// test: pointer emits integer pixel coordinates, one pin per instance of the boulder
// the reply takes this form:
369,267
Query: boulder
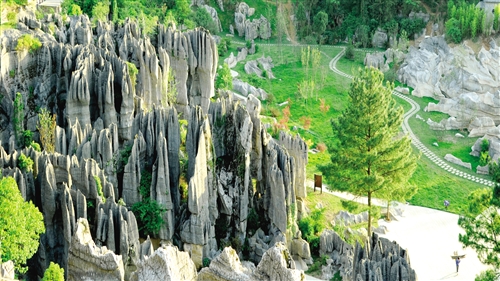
379,39
7,271
455,160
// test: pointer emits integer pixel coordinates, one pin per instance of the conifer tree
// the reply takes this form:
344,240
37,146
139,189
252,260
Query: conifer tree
369,155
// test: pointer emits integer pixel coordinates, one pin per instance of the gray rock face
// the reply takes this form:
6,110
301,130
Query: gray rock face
338,250
466,83
257,28
381,60
246,89
113,126
215,17
86,260
7,270
166,264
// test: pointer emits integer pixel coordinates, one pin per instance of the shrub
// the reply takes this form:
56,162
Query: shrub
12,73
145,184
35,146
98,186
453,32
349,51
47,128
53,273
25,163
28,43
252,221
206,262
27,138
323,107
149,216
12,17
321,147
132,71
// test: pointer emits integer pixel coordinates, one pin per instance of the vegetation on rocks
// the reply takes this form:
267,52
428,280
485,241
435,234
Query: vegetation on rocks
53,273
28,43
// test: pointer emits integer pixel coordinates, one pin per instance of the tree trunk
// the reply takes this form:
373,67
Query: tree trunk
388,218
369,216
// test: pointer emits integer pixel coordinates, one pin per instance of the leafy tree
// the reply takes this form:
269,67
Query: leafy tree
47,129
319,23
363,35
488,275
53,273
182,11
100,11
21,224
25,163
301,18
224,79
114,10
482,227
368,155
204,19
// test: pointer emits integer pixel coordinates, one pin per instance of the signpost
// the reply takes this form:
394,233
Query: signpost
318,182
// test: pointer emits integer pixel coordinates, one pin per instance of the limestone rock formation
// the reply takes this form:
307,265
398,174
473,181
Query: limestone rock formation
465,83
167,263
257,28
379,38
7,270
339,251
215,17
246,89
87,261
122,140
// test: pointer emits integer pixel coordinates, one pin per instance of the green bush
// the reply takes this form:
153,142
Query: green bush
28,43
132,71
12,17
99,188
145,184
36,146
25,163
349,51
206,262
149,216
27,138
53,273
453,32
12,73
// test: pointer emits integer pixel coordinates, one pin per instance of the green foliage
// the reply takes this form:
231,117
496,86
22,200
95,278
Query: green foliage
368,156
121,160
132,71
349,51
453,31
114,10
311,227
317,265
18,118
12,73
36,146
206,262
182,11
100,11
98,186
47,128
484,158
53,273
320,22
145,184
488,275
28,43
223,46
27,138
149,216
203,18
121,202
349,205
224,80
25,163
253,222
21,224
12,17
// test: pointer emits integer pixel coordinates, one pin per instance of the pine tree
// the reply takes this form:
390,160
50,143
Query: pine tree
369,155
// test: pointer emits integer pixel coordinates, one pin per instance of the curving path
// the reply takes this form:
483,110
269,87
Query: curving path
406,128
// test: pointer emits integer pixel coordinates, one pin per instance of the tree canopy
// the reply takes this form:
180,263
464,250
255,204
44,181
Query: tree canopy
53,273
21,224
369,155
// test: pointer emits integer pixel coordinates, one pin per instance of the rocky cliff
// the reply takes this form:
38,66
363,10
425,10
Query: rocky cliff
122,138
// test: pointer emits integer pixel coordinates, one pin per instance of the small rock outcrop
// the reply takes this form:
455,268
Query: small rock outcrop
167,263
87,261
276,265
257,28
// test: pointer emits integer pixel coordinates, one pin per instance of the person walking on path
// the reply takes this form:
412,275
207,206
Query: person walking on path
457,261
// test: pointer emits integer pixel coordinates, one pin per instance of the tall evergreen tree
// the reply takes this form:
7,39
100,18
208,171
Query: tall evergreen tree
369,154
